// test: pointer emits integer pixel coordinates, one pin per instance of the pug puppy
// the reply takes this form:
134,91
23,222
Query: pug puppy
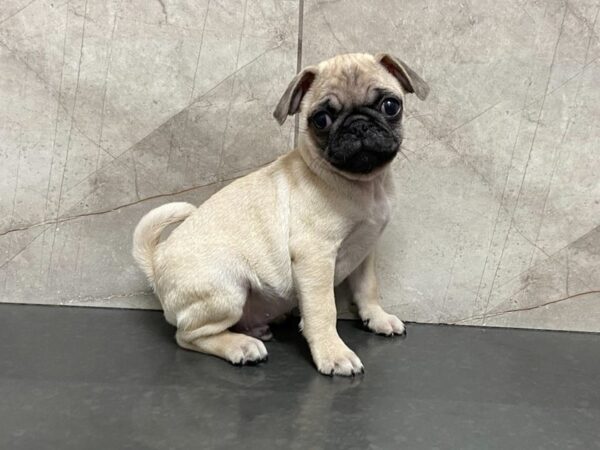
287,234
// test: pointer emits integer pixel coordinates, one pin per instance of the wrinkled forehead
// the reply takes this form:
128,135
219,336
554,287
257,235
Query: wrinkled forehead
351,81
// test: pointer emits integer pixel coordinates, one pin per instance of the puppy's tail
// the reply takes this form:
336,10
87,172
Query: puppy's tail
147,233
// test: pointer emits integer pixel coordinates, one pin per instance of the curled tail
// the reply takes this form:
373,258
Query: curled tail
147,233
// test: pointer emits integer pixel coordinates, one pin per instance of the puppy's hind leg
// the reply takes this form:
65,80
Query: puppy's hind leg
204,327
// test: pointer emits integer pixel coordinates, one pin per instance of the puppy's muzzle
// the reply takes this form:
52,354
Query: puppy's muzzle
362,144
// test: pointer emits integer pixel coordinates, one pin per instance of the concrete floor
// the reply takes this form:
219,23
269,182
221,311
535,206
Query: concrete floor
75,378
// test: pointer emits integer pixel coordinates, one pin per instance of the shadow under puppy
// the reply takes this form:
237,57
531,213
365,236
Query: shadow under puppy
286,234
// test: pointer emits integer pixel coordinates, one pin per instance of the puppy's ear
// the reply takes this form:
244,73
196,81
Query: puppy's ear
408,78
289,104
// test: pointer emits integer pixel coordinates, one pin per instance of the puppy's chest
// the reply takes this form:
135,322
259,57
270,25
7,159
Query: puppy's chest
363,235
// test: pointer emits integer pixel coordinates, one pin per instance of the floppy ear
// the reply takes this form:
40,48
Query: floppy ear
410,81
289,104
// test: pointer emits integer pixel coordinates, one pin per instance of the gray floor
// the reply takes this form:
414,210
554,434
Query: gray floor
108,379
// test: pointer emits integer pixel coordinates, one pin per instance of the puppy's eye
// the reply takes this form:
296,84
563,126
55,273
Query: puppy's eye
321,120
390,107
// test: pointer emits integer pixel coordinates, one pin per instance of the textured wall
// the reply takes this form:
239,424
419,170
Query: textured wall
109,108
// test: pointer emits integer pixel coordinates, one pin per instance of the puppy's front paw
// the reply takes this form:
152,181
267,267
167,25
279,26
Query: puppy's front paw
386,324
336,359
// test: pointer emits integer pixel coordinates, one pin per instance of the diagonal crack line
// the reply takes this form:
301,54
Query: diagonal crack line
200,50
16,12
328,24
29,67
529,241
116,208
441,138
105,84
11,258
528,308
468,121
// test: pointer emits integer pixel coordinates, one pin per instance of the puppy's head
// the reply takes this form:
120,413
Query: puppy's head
351,109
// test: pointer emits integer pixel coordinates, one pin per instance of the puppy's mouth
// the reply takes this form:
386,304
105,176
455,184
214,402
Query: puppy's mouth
362,144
